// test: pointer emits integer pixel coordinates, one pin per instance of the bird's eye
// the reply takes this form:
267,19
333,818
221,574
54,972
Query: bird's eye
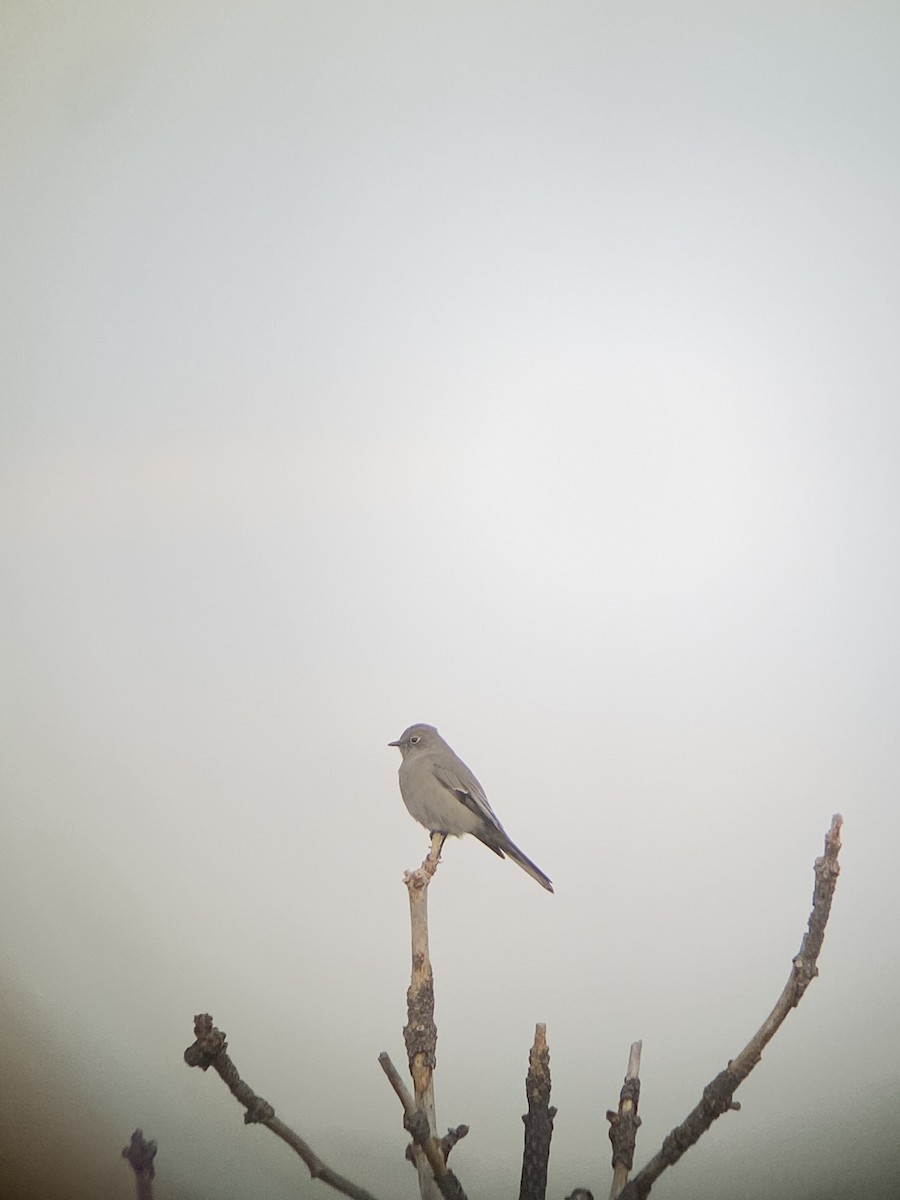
414,739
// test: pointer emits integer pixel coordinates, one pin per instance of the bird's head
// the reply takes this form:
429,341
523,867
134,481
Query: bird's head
417,737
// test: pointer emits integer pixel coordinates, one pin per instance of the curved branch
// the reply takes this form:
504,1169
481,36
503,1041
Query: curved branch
209,1050
718,1096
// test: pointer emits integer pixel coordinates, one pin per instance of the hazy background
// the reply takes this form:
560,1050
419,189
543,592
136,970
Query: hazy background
531,370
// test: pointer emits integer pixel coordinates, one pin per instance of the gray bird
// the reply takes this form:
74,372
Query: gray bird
443,795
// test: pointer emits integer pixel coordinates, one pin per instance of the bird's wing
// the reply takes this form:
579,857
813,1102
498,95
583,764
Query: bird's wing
459,780
468,791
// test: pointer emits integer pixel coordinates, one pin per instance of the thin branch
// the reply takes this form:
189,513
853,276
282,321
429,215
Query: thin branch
140,1155
404,1094
209,1050
623,1125
718,1096
538,1120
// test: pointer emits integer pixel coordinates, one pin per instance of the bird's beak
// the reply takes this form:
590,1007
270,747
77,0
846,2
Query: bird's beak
393,743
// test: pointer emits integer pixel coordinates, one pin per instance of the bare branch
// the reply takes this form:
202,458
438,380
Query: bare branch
209,1050
623,1125
396,1082
718,1096
420,1035
417,1127
538,1120
141,1155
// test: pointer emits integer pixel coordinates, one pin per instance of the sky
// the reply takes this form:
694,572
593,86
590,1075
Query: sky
526,369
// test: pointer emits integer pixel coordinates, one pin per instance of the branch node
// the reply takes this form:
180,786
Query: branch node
420,1032
258,1112
416,1125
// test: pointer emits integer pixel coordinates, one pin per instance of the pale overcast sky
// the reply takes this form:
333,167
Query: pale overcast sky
532,370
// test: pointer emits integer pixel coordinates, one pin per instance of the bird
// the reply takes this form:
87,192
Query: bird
442,794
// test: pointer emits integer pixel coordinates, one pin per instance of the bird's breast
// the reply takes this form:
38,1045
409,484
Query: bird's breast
432,804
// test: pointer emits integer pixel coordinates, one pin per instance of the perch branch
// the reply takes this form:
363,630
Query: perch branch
209,1050
420,1033
140,1155
429,1153
623,1125
718,1096
538,1120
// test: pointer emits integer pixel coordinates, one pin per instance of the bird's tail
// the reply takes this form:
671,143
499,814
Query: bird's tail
508,847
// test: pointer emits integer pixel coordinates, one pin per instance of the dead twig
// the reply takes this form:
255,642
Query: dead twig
718,1095
209,1050
538,1120
141,1155
623,1125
